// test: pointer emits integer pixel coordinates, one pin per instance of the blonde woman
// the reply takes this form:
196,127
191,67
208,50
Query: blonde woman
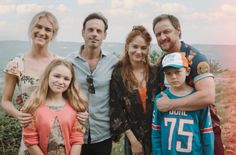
54,104
24,71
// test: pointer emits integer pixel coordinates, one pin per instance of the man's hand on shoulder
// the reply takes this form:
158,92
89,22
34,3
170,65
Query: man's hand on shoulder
82,117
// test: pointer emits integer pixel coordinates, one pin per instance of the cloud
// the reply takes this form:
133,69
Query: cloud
172,7
28,8
116,4
4,9
228,8
7,1
129,4
33,8
125,15
223,13
131,8
22,9
141,11
86,2
61,8
149,5
196,16
3,23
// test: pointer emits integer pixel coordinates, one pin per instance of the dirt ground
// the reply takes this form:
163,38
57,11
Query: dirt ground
226,106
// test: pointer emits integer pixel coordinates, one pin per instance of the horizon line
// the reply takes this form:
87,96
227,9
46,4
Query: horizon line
119,42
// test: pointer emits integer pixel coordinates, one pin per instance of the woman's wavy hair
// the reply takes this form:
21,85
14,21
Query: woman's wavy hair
126,70
40,94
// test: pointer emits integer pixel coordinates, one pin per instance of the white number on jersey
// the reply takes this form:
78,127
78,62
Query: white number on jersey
181,132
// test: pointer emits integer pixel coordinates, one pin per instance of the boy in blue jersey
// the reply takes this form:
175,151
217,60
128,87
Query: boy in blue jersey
177,131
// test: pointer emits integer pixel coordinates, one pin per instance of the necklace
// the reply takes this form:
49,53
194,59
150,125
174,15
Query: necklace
140,76
55,103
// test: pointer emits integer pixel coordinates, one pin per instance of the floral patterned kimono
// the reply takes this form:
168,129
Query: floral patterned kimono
128,112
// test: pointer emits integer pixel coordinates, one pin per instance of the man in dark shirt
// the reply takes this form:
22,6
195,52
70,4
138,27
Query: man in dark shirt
168,33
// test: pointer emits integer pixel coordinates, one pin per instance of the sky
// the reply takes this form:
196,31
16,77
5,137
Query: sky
202,21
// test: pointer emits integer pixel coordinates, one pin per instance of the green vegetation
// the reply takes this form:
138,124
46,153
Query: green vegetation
154,55
221,91
118,148
215,66
10,135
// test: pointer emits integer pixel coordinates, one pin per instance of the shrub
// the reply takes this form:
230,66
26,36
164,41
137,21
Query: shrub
215,66
10,135
154,55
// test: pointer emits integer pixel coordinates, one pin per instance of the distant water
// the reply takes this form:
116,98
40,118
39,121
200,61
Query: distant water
224,54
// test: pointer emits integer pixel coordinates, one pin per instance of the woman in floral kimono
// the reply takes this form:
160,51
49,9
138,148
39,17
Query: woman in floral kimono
132,89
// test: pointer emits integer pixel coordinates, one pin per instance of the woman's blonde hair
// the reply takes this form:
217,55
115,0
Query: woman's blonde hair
126,70
50,17
40,94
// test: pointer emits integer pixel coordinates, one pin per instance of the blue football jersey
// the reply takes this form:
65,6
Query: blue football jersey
181,132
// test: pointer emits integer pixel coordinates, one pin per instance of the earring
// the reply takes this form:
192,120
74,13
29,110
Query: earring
144,60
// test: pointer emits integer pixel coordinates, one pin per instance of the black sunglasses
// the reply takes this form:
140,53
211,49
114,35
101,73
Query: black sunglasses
91,88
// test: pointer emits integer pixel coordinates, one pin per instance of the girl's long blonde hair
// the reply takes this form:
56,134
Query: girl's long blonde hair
40,94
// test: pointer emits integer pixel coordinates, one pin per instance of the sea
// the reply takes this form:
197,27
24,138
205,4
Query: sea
222,54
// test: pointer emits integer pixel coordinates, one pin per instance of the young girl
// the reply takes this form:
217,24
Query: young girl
54,104
178,131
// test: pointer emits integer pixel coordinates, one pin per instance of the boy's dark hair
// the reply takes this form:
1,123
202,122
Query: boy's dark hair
96,15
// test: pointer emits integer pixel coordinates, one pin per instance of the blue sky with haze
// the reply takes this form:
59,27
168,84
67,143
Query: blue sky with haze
202,21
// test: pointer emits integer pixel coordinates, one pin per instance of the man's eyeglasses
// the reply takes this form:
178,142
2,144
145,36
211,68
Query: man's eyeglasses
91,88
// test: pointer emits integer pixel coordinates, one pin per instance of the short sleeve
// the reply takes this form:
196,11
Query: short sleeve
30,134
200,67
14,66
77,135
